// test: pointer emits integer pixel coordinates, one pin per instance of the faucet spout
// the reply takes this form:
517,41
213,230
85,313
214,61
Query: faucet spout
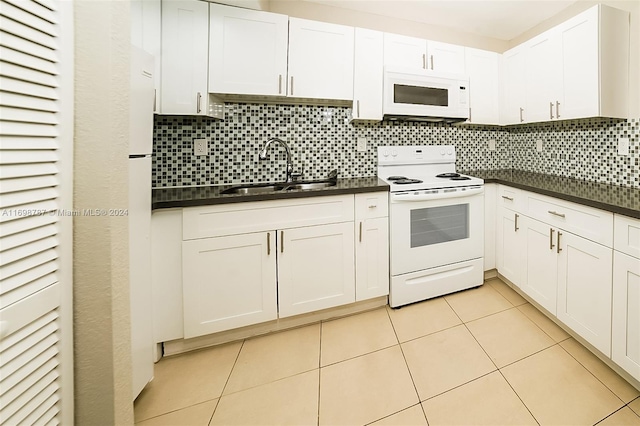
263,155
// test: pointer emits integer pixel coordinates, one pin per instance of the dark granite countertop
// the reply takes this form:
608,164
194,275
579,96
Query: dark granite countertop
163,198
616,199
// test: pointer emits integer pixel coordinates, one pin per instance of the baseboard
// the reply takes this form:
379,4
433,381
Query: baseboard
491,273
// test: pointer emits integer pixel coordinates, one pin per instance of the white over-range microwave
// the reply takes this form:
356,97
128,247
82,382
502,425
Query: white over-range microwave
421,95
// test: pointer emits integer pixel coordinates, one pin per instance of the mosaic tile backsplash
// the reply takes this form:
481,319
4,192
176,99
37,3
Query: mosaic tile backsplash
322,139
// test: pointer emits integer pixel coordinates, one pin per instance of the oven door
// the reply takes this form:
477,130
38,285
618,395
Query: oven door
429,230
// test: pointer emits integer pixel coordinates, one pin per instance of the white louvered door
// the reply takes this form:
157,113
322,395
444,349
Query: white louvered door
36,146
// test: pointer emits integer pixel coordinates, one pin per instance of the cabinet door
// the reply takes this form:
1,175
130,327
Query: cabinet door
367,75
185,50
579,96
445,57
514,86
584,289
320,60
404,52
543,75
509,244
372,258
625,339
228,282
540,279
247,51
146,24
315,268
483,69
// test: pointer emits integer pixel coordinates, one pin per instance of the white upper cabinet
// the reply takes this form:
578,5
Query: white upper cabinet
367,75
577,69
417,53
483,69
185,51
445,57
514,86
320,60
404,52
146,34
247,51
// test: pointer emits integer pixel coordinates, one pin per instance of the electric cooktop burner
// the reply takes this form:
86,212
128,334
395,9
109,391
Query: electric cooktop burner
461,178
396,177
448,175
406,181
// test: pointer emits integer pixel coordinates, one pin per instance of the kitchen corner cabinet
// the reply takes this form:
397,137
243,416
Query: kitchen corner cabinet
367,75
509,236
577,69
320,60
483,69
247,51
416,53
625,339
185,52
372,245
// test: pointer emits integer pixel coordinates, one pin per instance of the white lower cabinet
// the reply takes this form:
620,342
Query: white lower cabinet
509,245
372,258
625,339
315,268
584,289
228,282
540,277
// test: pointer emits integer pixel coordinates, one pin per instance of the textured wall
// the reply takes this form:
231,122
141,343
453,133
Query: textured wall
322,139
102,360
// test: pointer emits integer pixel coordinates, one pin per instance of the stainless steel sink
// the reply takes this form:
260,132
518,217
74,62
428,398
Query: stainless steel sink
309,185
253,189
276,187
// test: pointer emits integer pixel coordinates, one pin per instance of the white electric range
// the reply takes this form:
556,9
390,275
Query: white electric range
436,223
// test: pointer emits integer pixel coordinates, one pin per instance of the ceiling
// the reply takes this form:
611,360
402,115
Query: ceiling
500,19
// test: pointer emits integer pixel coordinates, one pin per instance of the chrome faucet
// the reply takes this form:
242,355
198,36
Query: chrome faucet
263,156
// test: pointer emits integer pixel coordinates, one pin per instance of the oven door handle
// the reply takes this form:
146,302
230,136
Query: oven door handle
410,197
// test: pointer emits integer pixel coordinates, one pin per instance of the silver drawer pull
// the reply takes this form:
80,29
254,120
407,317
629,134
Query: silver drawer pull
551,246
558,248
360,237
556,213
507,198
515,222
372,206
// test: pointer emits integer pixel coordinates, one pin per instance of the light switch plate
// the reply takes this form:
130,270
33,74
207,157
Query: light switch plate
539,145
200,147
362,144
492,144
623,146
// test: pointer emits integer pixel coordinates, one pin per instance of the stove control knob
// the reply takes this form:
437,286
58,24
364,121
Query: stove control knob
385,153
394,153
442,152
450,152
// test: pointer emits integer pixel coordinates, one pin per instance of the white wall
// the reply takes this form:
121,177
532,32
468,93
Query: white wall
102,351
321,12
633,6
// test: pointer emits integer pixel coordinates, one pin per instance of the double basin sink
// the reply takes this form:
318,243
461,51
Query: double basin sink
278,187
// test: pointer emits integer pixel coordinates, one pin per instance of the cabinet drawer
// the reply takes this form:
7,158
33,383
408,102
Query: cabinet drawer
242,218
511,198
372,205
626,235
588,222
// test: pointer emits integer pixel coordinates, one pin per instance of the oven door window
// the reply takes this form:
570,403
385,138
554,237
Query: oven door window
435,225
420,95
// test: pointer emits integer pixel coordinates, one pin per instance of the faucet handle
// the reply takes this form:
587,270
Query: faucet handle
295,176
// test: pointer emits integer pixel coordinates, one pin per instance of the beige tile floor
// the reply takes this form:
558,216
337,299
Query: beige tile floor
479,357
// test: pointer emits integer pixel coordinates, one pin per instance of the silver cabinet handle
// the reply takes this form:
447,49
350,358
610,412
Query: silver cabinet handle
198,103
360,237
521,111
358,107
515,222
268,243
431,61
424,60
279,84
556,213
550,109
155,100
551,231
558,249
281,242
469,113
557,109
291,88
507,198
